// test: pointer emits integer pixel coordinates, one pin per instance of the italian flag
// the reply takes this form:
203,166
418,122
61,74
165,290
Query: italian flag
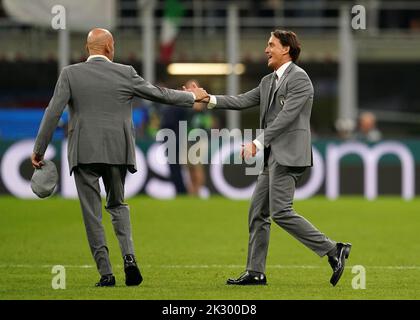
173,12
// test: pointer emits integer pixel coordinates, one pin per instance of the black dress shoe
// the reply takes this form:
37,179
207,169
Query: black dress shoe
338,261
106,281
249,278
132,273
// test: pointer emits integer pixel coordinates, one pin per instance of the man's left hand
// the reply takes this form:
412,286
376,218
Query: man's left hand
248,150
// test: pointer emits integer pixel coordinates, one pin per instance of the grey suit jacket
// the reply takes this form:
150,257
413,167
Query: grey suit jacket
287,115
99,94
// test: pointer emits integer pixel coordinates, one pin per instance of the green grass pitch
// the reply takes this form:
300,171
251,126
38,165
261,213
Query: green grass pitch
187,248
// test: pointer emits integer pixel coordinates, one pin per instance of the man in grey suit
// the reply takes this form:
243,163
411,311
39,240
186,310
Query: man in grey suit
101,142
285,99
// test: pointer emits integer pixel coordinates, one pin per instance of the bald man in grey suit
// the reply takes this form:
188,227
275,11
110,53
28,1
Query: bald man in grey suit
285,99
101,142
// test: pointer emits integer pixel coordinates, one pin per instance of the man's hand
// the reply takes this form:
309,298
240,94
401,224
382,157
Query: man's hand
248,150
37,161
201,95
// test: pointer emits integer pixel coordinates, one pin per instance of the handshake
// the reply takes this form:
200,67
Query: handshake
202,98
201,95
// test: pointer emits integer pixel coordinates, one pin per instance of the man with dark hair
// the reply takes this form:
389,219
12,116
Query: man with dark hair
285,100
289,38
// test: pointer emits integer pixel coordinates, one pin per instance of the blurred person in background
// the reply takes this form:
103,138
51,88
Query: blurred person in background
101,142
170,118
367,130
199,119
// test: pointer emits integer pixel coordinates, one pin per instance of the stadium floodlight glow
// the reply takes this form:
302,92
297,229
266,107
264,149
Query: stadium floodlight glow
205,69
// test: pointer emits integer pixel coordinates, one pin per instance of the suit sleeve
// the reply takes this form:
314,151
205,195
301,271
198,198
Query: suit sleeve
53,113
242,101
300,90
145,90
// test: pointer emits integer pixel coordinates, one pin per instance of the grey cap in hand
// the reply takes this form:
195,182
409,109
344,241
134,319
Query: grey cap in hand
44,180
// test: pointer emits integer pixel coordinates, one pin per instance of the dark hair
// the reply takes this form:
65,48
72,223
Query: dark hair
289,39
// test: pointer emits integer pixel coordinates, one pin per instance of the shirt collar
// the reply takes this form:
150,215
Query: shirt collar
93,56
280,71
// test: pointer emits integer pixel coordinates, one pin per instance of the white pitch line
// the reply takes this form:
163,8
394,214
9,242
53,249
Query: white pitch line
212,266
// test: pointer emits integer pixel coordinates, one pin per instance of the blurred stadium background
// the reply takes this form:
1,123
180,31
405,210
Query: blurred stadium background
365,121
372,70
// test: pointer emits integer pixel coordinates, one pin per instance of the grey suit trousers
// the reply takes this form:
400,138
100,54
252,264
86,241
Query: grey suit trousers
87,183
273,197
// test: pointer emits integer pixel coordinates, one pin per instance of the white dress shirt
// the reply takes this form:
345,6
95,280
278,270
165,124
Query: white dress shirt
98,56
280,71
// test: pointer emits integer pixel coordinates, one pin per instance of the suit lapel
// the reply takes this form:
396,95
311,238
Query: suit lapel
267,91
270,99
286,72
